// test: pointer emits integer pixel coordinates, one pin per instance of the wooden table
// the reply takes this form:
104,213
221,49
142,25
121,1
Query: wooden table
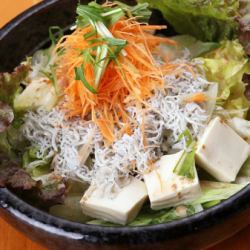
10,238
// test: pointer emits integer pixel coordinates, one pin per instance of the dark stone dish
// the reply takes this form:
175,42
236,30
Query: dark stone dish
20,38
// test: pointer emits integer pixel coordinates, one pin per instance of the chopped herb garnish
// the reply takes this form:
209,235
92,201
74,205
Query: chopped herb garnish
55,33
186,165
80,76
108,48
51,75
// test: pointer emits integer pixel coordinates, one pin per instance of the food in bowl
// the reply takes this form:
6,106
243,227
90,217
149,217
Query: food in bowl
113,124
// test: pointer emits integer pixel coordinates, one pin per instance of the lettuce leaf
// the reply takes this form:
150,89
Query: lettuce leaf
148,216
214,192
34,165
6,116
12,141
11,175
244,174
71,208
206,20
226,66
10,82
5,146
188,47
244,24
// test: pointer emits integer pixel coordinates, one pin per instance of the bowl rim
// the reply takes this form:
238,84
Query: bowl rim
193,223
201,220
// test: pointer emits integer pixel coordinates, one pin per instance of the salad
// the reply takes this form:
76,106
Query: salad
118,124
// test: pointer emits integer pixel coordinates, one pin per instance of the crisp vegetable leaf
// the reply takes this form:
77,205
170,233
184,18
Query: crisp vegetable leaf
53,193
5,146
11,140
244,174
214,192
6,116
187,47
226,66
71,208
206,20
13,176
38,94
244,24
36,166
40,193
10,82
80,76
150,217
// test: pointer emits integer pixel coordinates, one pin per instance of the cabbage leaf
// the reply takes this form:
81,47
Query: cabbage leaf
244,174
187,47
147,216
215,192
244,24
226,66
211,20
10,82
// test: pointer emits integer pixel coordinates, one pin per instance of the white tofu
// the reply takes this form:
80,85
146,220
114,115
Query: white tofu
221,151
121,209
165,188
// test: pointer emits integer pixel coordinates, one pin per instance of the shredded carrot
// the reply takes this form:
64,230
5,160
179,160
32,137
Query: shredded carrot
135,77
197,97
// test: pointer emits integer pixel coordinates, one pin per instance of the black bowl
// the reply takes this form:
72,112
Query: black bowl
20,38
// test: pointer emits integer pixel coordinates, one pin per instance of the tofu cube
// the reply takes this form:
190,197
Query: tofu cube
221,151
165,188
121,209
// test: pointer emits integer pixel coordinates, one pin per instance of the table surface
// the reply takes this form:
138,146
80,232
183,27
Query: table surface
10,238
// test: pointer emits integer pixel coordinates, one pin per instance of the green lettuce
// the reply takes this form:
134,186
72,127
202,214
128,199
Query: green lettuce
35,166
147,216
5,146
215,192
10,136
71,208
12,141
226,66
244,24
10,82
188,47
206,20
244,174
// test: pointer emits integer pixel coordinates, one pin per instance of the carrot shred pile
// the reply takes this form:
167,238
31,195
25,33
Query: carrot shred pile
133,79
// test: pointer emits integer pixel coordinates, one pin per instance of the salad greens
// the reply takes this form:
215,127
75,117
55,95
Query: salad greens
10,83
244,174
244,24
206,20
212,194
150,217
188,47
226,66
34,165
208,41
